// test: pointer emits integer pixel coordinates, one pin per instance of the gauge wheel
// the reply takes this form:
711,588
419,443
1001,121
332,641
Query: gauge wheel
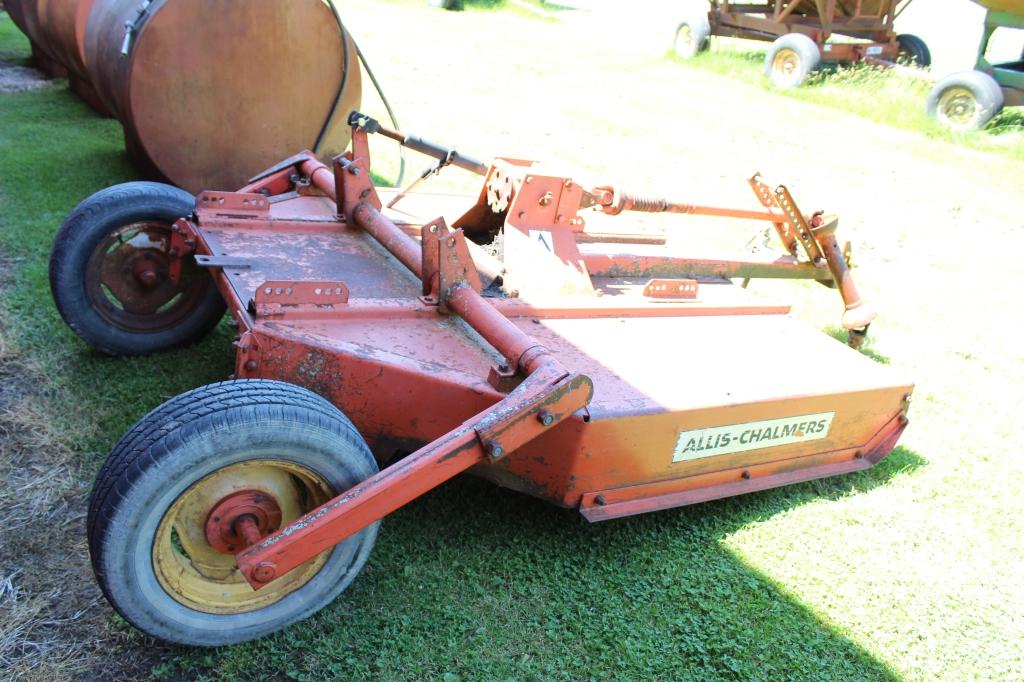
201,478
791,59
965,101
109,273
692,37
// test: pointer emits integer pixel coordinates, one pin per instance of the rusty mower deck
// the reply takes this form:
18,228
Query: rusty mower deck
514,344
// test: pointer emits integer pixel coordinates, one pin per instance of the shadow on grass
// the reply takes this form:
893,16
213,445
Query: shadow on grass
840,334
542,5
487,583
1009,120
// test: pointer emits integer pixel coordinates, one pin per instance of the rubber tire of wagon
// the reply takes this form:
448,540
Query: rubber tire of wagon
803,55
986,99
74,246
914,50
699,37
189,439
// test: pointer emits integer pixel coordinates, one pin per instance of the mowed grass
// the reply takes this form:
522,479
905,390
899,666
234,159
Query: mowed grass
891,97
906,571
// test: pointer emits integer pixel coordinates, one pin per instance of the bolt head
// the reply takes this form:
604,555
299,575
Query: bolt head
264,572
546,418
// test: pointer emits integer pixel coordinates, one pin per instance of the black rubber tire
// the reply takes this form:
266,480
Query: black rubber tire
807,59
699,40
181,442
965,101
914,50
84,230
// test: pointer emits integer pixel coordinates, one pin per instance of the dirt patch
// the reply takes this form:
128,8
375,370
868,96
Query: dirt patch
18,78
56,624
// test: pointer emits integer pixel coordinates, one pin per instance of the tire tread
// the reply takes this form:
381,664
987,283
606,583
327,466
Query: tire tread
66,261
219,406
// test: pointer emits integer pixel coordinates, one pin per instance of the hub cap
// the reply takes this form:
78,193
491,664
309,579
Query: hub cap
684,40
198,536
127,279
786,63
958,107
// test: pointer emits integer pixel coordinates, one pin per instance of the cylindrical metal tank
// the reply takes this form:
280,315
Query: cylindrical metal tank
212,91
62,34
61,30
25,14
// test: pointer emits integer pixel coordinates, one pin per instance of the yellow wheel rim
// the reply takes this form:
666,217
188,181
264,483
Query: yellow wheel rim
684,40
786,62
202,578
958,107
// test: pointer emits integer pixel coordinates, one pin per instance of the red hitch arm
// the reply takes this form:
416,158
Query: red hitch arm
545,398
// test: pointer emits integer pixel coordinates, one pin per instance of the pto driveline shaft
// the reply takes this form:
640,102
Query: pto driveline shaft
418,144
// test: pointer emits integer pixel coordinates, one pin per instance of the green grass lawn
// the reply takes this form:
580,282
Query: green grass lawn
885,96
910,570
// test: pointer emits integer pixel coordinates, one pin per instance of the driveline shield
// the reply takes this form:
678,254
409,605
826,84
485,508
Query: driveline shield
724,440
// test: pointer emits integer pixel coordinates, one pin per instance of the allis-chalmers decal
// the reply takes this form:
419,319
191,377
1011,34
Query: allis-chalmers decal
723,440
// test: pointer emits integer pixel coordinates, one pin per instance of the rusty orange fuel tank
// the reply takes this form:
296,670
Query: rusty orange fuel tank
62,34
212,91
25,14
62,31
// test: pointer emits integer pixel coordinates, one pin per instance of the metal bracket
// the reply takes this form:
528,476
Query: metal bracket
503,378
788,231
284,298
248,358
447,262
784,200
795,230
183,243
236,205
505,430
223,262
287,163
672,288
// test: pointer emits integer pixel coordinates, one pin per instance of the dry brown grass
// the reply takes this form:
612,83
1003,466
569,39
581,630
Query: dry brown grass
55,624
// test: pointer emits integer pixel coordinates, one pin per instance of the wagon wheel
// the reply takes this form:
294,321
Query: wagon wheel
692,37
109,272
201,478
791,59
914,51
965,101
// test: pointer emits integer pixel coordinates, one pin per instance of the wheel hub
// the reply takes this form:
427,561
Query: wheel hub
147,271
958,106
684,39
786,62
240,503
242,519
128,280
